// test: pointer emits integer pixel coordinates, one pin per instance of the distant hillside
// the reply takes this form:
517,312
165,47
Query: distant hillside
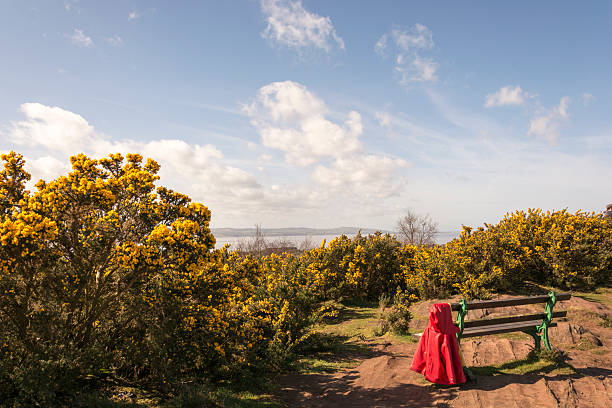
294,231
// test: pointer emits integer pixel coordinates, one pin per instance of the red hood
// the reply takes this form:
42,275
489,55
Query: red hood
441,319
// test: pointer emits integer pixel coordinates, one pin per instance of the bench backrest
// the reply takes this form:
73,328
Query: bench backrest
511,319
527,300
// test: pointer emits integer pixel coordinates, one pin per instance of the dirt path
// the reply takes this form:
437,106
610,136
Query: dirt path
384,380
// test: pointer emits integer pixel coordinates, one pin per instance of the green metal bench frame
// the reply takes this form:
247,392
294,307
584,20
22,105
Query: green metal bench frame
539,332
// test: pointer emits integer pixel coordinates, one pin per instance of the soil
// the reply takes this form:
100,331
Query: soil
383,379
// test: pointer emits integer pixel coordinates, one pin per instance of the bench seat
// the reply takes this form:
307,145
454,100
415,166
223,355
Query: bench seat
502,328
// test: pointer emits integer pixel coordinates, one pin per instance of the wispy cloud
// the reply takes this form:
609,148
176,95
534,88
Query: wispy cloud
69,4
290,25
407,47
547,124
115,41
79,39
507,96
133,15
586,98
544,123
383,118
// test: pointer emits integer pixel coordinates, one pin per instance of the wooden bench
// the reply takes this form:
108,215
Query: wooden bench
535,325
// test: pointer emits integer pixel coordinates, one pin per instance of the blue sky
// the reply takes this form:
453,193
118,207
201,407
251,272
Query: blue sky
322,113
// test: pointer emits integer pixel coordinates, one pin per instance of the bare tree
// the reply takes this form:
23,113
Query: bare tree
258,242
417,229
255,244
307,244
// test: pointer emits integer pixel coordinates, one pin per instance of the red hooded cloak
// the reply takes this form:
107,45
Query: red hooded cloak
437,356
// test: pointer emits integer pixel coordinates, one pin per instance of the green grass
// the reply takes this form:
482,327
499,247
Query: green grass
339,346
606,321
330,352
323,364
354,322
547,362
601,295
515,336
227,396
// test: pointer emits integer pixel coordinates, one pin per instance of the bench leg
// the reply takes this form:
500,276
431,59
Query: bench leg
469,374
545,336
536,338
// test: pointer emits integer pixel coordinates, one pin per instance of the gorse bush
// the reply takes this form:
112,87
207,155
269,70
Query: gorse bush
104,273
559,249
397,316
362,267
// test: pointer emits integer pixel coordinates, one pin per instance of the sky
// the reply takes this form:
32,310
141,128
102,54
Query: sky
322,114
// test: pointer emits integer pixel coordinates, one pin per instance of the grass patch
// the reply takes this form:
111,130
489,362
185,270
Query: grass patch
601,295
515,336
360,304
324,364
330,352
337,346
356,321
226,397
404,338
191,396
606,321
544,361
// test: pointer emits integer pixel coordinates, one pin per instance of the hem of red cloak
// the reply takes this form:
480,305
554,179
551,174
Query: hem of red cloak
422,372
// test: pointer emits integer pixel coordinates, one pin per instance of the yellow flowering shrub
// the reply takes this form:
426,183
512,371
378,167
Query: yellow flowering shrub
362,267
554,248
100,267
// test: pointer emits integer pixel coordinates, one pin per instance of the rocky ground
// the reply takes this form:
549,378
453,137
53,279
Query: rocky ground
504,378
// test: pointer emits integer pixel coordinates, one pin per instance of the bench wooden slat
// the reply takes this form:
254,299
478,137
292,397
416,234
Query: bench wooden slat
501,328
527,300
511,319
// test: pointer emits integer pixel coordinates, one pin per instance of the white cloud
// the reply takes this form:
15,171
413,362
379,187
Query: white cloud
383,118
290,25
292,119
381,46
60,131
133,15
367,174
52,128
506,96
547,124
68,4
115,41
48,135
79,38
420,37
586,98
407,48
45,167
424,69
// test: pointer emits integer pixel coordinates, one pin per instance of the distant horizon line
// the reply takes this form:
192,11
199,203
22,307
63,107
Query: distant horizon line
293,231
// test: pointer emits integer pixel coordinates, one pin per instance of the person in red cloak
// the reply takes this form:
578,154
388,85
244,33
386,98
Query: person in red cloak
438,356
